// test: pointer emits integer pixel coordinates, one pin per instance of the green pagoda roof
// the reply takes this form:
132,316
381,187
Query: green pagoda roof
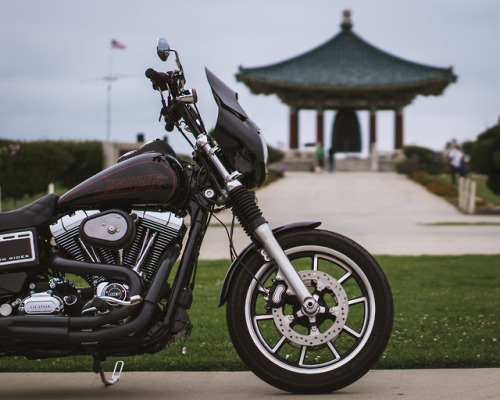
346,63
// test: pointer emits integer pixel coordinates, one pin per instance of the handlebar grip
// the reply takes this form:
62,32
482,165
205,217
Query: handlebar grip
159,79
151,73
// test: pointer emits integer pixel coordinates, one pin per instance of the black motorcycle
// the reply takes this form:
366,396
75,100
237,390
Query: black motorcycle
308,310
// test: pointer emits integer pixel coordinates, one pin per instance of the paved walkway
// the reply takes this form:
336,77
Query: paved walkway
385,213
475,384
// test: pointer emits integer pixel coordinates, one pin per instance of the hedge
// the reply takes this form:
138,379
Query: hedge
421,159
26,168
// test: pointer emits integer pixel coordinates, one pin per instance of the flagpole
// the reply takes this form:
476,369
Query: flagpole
109,79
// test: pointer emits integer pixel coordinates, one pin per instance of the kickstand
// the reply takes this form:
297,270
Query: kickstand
116,372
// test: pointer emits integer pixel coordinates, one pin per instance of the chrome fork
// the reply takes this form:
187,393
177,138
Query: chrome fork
286,269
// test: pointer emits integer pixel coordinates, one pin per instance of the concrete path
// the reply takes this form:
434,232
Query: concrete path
476,384
384,212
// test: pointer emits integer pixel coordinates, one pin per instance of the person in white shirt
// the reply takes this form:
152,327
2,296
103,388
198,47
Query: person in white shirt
455,157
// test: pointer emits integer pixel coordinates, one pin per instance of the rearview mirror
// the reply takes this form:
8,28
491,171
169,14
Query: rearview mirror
163,49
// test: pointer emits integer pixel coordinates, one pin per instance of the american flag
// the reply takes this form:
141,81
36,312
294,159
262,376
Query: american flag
115,44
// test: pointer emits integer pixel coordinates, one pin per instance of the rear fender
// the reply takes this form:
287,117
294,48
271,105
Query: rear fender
236,265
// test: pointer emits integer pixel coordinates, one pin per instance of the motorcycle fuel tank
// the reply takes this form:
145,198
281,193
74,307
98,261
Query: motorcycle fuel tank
144,180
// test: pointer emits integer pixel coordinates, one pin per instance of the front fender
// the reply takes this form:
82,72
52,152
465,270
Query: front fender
236,265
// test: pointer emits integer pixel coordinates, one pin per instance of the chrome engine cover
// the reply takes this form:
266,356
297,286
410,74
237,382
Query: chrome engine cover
112,229
113,290
41,303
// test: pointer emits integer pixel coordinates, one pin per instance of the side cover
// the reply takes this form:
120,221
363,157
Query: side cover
18,250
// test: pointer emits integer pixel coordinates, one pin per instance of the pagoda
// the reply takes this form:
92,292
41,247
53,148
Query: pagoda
346,74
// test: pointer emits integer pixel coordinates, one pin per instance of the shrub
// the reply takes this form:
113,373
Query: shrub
275,155
442,188
273,175
407,167
425,159
421,177
434,184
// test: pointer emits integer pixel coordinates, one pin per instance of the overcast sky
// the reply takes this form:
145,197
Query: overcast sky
54,51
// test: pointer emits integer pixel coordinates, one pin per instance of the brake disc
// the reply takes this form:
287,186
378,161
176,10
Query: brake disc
325,285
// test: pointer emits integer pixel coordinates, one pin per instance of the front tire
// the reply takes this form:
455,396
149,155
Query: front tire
325,352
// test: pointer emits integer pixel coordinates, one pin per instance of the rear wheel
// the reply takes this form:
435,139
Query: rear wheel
311,353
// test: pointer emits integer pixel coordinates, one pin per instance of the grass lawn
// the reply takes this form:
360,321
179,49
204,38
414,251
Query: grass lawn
7,204
447,315
485,193
447,311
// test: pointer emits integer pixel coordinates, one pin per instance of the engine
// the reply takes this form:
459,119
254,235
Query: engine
136,240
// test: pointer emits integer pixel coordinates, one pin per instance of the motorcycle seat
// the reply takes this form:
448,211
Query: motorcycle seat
38,213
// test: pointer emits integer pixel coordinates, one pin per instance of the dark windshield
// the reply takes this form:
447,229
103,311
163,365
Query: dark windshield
238,136
224,95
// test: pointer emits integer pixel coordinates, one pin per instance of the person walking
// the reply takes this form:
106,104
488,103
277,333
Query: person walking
455,159
331,160
320,157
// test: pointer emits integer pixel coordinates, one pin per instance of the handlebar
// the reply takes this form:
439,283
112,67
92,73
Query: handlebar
177,107
159,79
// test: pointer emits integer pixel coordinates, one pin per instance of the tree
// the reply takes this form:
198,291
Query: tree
485,157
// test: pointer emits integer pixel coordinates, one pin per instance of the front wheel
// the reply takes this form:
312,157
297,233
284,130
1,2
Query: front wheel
316,353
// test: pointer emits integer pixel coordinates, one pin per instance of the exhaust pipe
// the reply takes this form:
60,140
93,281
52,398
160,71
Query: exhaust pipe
67,330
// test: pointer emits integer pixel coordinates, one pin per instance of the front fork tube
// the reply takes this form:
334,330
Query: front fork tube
254,224
286,269
250,216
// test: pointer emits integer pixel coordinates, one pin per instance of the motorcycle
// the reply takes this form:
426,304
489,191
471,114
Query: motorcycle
308,310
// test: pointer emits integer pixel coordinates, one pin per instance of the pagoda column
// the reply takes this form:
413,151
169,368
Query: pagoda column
319,126
398,139
294,128
373,128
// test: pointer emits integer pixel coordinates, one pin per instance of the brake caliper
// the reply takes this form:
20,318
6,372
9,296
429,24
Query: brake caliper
277,295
